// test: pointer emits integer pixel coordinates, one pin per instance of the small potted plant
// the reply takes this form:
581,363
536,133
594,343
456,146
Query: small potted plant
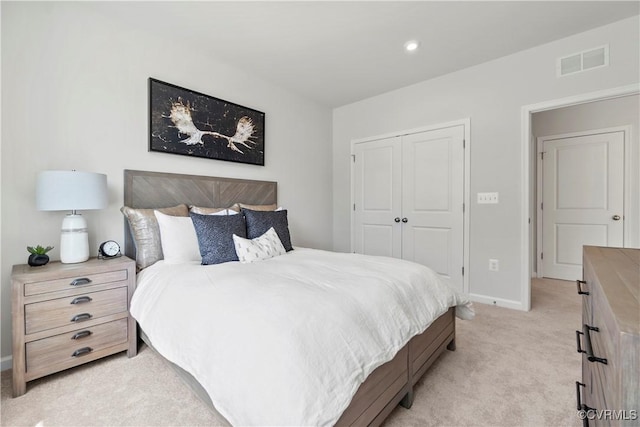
38,255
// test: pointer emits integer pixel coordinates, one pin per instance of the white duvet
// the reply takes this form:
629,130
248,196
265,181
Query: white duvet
288,341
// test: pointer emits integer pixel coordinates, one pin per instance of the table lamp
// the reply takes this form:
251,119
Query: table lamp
72,191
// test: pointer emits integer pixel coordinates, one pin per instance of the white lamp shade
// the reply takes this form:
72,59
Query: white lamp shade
71,190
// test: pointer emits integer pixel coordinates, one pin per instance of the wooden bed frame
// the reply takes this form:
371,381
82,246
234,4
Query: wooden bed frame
387,386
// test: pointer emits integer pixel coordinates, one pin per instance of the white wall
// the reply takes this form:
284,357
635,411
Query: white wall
75,97
492,95
623,111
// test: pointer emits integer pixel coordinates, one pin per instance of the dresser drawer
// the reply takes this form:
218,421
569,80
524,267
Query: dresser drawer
65,311
60,349
73,282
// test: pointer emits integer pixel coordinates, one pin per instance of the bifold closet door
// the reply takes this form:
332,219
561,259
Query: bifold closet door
432,200
408,199
377,197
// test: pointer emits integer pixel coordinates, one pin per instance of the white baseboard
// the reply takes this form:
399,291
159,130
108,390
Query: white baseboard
515,305
6,363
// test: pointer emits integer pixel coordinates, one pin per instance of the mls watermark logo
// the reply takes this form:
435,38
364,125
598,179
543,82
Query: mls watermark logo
608,414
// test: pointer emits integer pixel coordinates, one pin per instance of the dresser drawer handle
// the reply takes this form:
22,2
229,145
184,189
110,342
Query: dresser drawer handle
578,344
582,406
80,281
82,351
80,300
580,291
81,334
81,317
588,350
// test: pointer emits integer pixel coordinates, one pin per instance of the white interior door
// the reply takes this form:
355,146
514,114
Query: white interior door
377,197
408,194
583,199
432,200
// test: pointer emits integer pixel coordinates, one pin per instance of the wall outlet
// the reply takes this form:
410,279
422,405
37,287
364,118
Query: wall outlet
487,198
494,265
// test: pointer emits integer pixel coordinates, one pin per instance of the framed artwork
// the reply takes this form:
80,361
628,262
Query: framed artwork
183,121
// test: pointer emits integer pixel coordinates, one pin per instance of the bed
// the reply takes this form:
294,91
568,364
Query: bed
380,385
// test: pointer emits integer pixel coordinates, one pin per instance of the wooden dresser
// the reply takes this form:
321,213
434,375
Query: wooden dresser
68,314
609,340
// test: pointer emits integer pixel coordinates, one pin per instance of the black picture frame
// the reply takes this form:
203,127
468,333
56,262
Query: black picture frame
190,123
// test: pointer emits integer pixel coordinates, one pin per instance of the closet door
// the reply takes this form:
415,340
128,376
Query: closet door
432,201
377,191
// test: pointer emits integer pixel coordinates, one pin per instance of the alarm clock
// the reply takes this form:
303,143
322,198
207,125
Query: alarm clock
109,249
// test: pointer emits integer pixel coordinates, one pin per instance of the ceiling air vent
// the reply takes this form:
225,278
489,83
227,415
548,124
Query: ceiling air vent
583,61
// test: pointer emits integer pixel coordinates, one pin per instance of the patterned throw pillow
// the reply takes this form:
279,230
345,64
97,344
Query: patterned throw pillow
264,247
258,222
215,236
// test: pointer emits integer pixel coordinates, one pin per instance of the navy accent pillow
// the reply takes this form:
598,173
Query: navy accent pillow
215,236
258,222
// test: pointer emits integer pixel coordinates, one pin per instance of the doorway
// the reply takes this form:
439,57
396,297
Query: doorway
528,200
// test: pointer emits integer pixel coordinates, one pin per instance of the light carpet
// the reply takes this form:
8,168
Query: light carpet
510,368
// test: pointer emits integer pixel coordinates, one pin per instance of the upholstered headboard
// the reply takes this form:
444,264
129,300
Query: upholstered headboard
143,189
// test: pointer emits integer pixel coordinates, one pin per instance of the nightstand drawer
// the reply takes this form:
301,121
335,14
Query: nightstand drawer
73,282
72,346
65,311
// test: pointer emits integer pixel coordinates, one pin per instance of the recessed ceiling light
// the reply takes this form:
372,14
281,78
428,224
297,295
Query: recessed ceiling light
411,46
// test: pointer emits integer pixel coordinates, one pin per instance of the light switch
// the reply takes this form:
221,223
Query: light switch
487,198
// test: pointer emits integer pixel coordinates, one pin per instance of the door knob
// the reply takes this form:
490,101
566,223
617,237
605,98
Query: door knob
396,219
616,217
404,220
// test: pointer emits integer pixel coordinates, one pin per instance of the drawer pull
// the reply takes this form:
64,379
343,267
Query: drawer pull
80,300
81,334
582,406
81,317
580,291
578,345
80,281
82,351
588,350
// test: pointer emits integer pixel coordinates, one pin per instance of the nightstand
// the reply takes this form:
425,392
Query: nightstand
65,315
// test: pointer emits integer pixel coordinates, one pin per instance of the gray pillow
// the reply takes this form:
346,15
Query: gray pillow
215,236
271,207
258,222
146,234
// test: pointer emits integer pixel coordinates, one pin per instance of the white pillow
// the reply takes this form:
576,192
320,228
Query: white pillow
263,247
178,238
225,212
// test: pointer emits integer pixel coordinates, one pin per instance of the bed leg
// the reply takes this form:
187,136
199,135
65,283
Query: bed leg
407,400
452,345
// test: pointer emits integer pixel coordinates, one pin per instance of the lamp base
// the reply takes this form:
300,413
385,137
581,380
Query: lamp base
74,239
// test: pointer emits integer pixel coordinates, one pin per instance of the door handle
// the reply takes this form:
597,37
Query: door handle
616,217
404,220
396,219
